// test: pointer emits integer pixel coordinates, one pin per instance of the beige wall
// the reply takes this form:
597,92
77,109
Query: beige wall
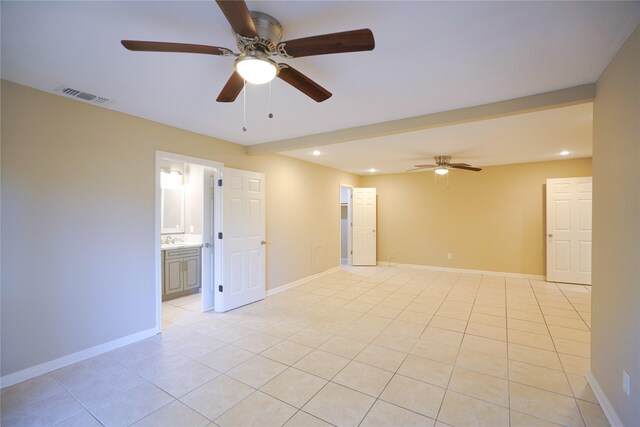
616,231
78,216
492,220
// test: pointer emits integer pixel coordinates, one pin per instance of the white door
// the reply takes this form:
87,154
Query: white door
569,230
209,228
243,239
364,226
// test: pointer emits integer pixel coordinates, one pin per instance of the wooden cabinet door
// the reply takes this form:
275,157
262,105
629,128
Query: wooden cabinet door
191,273
173,276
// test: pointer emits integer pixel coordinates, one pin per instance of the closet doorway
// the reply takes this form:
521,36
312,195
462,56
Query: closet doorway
346,224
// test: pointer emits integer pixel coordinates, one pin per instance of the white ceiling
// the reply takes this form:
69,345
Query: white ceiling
429,57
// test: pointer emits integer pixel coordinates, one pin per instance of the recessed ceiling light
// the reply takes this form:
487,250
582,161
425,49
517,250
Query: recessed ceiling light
316,153
564,153
372,170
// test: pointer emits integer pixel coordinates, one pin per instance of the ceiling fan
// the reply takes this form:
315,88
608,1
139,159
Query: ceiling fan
258,38
443,164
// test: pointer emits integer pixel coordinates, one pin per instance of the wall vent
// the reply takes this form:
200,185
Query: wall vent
84,96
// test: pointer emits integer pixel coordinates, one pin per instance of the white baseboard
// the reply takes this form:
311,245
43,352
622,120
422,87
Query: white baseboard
43,368
607,407
464,270
301,281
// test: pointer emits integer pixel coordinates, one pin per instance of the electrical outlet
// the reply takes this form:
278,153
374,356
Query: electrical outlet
449,256
626,382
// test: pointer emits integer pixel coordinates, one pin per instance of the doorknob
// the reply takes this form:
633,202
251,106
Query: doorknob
207,245
550,235
263,242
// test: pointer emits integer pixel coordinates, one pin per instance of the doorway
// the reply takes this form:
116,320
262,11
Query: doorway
346,224
188,216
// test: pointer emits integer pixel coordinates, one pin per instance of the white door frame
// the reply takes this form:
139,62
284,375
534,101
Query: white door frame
217,166
349,224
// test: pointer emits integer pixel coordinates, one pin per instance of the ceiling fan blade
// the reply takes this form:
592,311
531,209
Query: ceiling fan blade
469,168
424,166
459,164
303,83
347,41
416,169
147,46
230,91
237,14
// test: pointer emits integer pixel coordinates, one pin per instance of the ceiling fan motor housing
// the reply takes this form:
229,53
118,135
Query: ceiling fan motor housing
442,160
269,33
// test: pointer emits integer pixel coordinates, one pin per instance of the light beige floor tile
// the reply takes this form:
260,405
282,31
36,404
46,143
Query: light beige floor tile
487,309
570,333
134,352
448,323
402,327
415,317
395,341
559,312
566,322
363,378
381,357
528,326
442,336
575,348
541,403
519,419
159,363
174,414
322,364
83,419
217,396
483,363
384,414
414,395
485,345
257,371
534,356
459,410
426,370
287,352
524,315
225,358
302,419
592,414
581,388
385,311
28,392
310,337
47,411
186,378
481,386
131,406
343,346
436,351
486,331
358,307
256,342
532,340
294,387
574,364
339,405
283,329
257,410
536,376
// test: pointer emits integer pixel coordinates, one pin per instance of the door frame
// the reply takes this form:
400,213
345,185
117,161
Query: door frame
217,166
349,224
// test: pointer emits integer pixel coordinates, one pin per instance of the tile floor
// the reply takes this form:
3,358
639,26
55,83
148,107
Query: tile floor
381,346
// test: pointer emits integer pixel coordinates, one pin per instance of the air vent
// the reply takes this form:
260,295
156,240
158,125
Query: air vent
87,97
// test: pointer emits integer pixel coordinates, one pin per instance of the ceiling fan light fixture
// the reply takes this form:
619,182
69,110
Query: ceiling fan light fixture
441,170
256,70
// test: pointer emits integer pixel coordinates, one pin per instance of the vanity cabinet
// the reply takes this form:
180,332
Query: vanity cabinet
181,274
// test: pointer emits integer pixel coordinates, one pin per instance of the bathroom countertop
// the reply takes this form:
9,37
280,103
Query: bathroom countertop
179,245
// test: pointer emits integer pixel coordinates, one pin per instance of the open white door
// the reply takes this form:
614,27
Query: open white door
243,239
208,239
569,230
364,226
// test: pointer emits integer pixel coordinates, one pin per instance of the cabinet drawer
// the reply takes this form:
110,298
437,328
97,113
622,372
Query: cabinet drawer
181,253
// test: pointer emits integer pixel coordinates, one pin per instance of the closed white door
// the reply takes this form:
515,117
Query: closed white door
569,203
243,239
364,226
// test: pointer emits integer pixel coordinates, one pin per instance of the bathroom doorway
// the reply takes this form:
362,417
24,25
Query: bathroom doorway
346,224
188,216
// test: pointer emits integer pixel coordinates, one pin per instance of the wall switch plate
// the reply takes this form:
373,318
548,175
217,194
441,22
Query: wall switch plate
626,382
449,255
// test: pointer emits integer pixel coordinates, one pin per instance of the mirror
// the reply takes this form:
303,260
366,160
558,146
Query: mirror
172,218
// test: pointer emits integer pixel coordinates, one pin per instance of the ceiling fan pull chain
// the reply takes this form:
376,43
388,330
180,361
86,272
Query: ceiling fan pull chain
244,106
270,107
